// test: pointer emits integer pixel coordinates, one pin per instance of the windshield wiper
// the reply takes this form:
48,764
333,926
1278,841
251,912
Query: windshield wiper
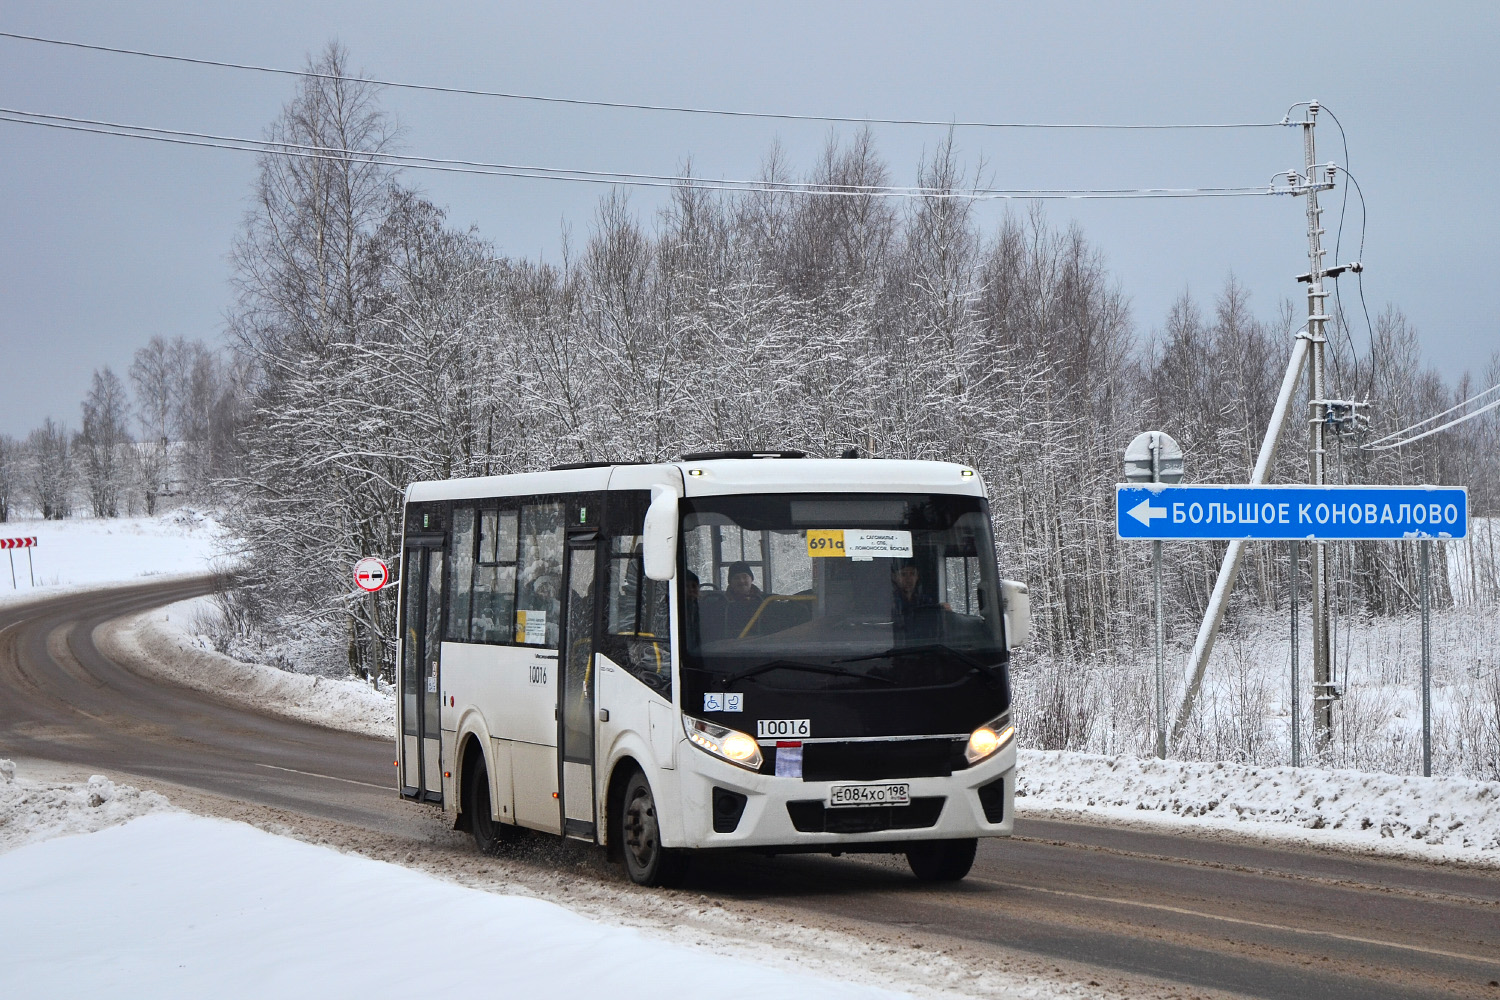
931,647
811,668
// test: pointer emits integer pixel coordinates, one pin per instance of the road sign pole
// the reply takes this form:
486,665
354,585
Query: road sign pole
1161,683
375,649
30,567
1426,664
12,570
370,575
1161,680
1295,562
1156,458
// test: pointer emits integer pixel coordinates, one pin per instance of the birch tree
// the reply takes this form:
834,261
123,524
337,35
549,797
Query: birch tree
102,444
49,470
11,458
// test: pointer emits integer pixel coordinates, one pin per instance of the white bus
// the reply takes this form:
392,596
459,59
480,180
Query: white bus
736,650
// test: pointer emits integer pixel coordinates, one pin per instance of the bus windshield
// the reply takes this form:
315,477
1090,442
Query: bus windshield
838,592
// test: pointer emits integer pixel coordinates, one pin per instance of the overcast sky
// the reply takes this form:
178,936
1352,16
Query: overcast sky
107,242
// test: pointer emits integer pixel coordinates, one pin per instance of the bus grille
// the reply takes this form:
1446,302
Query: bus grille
877,760
814,817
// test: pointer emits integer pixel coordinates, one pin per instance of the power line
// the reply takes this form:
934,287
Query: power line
631,106
1359,275
1438,416
1378,445
404,161
1338,293
1435,430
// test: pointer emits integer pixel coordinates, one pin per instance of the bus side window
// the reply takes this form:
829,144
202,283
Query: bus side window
638,627
539,575
462,567
494,598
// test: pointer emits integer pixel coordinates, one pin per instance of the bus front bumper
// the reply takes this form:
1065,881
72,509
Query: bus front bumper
728,806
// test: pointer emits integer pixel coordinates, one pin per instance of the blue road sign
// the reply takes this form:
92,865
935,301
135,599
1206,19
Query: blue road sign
1269,513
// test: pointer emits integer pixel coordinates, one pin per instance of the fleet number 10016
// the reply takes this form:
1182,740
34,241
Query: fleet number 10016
779,728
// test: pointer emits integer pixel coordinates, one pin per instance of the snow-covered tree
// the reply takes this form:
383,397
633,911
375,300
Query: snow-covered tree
49,470
102,446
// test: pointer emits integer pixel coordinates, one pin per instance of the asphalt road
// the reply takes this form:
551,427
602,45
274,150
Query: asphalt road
1256,921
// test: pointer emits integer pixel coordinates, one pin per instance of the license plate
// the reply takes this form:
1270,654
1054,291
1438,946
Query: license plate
898,794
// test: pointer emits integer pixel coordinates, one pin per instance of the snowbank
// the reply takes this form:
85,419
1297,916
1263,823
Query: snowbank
178,905
91,552
1427,818
32,810
166,642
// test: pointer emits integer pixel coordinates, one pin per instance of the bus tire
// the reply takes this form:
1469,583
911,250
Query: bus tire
488,832
941,860
638,831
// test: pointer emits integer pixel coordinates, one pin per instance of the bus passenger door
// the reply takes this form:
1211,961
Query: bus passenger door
576,691
421,613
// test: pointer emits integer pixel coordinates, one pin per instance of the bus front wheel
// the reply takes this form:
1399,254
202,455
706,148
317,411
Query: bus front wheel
647,862
941,860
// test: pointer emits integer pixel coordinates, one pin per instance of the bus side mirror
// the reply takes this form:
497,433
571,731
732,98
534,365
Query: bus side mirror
659,543
1015,602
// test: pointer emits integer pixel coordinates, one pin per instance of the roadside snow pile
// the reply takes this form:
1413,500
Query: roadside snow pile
88,552
34,810
152,909
165,642
1451,818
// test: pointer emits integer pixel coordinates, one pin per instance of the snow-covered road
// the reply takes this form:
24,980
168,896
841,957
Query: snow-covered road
1058,889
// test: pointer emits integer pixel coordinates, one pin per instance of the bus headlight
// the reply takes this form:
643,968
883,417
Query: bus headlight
730,744
986,741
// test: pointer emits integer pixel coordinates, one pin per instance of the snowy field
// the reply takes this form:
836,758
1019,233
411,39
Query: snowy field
1244,712
151,910
82,552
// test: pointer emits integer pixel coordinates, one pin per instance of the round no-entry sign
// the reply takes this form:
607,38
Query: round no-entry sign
371,574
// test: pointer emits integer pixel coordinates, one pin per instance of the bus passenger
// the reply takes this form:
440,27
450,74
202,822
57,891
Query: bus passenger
741,600
916,615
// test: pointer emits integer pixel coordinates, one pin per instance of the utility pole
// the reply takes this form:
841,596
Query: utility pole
1314,179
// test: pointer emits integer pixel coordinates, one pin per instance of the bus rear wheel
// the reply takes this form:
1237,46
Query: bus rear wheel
489,835
637,825
941,860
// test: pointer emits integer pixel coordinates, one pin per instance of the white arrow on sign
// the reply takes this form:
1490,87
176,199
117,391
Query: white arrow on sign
1144,512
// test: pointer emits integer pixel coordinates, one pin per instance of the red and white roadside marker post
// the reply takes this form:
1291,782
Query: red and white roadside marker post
371,574
11,544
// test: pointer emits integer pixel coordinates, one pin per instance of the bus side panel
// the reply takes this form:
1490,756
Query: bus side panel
519,695
451,777
535,771
513,690
628,732
502,781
